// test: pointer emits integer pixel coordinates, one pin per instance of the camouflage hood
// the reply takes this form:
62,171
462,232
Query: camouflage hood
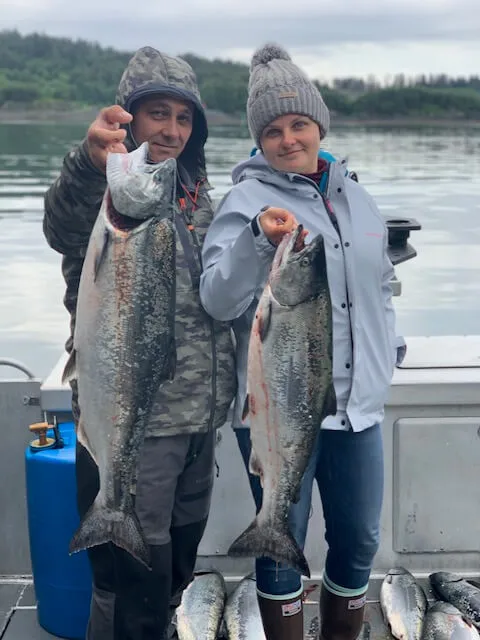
150,72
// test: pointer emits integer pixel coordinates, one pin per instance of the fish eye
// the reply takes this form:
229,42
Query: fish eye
305,261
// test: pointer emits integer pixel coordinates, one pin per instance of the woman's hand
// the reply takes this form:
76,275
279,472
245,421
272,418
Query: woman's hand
276,222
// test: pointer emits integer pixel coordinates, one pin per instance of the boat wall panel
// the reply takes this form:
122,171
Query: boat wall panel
419,393
15,416
436,484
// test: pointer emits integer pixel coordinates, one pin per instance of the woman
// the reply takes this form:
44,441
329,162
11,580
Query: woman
284,185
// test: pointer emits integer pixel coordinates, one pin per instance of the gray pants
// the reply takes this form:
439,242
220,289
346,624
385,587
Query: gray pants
174,486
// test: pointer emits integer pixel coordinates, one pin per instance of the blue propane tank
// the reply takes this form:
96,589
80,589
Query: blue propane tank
63,582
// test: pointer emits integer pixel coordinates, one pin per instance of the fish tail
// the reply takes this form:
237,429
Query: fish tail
278,545
101,525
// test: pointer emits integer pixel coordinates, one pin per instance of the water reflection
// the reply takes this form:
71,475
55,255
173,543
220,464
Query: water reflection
430,175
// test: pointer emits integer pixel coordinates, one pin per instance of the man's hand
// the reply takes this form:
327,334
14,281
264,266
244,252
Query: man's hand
105,136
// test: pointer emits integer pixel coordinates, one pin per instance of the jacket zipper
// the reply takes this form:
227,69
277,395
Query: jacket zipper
333,219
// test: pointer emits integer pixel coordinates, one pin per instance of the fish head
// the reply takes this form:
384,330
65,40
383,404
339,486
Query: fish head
397,571
299,271
139,189
440,578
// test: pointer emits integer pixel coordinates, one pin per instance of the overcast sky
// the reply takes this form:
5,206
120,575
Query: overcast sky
328,39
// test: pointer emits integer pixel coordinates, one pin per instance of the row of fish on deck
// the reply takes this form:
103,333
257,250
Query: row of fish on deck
207,613
455,614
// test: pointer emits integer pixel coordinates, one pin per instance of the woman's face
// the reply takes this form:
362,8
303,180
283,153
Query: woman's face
291,143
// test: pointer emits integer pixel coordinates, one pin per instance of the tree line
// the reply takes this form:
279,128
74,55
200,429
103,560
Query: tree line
41,71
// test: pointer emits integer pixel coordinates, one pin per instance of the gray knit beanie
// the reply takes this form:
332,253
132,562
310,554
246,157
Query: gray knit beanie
278,87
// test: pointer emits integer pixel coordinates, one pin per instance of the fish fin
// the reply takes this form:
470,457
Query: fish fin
83,439
255,466
70,367
330,402
296,495
101,525
466,620
278,545
223,631
246,407
100,257
473,583
264,320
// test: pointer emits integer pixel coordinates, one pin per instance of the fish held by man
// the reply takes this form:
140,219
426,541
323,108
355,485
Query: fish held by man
289,391
124,338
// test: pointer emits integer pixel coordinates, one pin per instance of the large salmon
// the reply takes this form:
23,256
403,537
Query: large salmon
289,391
124,339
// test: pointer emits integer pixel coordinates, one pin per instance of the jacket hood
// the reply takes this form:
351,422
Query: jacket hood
151,72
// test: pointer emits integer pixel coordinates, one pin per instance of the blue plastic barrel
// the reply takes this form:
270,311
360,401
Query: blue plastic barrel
63,583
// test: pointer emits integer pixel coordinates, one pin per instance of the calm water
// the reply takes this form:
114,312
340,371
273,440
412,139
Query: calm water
429,175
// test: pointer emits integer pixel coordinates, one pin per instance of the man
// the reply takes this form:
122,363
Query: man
157,101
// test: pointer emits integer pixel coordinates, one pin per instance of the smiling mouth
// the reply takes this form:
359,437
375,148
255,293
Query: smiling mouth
290,153
163,146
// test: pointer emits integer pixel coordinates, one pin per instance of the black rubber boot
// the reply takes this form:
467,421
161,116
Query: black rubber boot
341,618
282,619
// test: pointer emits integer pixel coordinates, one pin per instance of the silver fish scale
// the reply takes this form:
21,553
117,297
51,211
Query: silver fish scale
297,371
242,614
403,604
123,337
200,612
445,622
289,380
460,593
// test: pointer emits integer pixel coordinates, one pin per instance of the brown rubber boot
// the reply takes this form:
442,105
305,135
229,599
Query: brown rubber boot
341,618
282,619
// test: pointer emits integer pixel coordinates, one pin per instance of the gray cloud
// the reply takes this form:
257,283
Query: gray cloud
208,28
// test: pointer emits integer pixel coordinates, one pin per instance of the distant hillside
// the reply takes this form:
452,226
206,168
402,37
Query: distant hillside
38,71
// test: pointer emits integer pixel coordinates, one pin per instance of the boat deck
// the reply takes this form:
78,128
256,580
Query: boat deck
18,616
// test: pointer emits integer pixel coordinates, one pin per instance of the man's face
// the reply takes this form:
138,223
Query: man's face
165,123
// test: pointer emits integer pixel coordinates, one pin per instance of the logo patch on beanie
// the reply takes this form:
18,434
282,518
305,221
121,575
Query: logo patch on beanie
288,94
292,608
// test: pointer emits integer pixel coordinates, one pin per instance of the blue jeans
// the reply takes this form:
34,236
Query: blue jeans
348,467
